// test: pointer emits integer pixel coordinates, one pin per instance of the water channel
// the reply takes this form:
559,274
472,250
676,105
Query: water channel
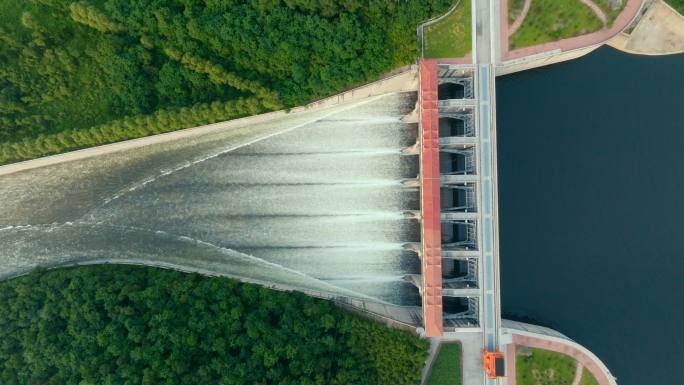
591,182
313,201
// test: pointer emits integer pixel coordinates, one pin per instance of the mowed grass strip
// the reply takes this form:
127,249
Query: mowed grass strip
451,36
551,20
446,369
588,378
538,366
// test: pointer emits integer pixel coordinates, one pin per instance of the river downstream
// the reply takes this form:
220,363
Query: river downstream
317,204
591,180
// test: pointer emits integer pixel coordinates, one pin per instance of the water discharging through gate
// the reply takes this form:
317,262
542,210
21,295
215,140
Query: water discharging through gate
313,201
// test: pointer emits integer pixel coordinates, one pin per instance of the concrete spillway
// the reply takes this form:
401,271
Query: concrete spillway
313,201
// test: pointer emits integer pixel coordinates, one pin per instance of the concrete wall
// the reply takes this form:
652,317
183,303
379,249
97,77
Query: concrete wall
535,329
542,59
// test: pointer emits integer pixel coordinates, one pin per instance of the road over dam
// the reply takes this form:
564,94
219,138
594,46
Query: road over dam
459,211
458,160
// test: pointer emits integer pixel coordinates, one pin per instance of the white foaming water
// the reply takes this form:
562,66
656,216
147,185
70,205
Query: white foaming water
232,148
317,204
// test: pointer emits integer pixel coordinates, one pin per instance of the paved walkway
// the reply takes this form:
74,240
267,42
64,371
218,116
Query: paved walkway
471,349
597,11
521,17
579,369
510,364
621,22
555,345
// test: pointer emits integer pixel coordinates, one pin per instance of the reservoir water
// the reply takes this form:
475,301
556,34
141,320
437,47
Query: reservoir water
591,189
312,201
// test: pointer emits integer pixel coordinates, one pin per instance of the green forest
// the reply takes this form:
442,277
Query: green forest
75,74
110,324
677,5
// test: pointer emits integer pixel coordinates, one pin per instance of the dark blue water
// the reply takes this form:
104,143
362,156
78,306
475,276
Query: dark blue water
591,189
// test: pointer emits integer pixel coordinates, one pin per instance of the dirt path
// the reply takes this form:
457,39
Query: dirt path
597,11
521,17
579,368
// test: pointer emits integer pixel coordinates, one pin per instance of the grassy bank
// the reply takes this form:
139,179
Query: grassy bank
551,20
538,366
451,36
114,324
69,68
446,369
677,4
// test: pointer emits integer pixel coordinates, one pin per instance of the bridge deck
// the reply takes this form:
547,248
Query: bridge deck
430,200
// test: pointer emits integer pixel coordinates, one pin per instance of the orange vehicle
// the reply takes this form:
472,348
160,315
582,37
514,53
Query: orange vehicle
493,364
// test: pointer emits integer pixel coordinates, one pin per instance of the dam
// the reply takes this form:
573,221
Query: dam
338,200
383,199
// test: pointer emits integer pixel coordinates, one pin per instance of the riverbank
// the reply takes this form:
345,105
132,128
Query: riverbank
406,79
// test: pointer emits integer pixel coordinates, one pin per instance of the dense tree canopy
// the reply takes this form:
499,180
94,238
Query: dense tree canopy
132,325
72,65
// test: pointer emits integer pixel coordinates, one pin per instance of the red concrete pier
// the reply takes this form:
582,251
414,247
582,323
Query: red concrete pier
430,200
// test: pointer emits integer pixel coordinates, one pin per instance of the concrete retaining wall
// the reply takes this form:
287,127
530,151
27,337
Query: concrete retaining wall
542,59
